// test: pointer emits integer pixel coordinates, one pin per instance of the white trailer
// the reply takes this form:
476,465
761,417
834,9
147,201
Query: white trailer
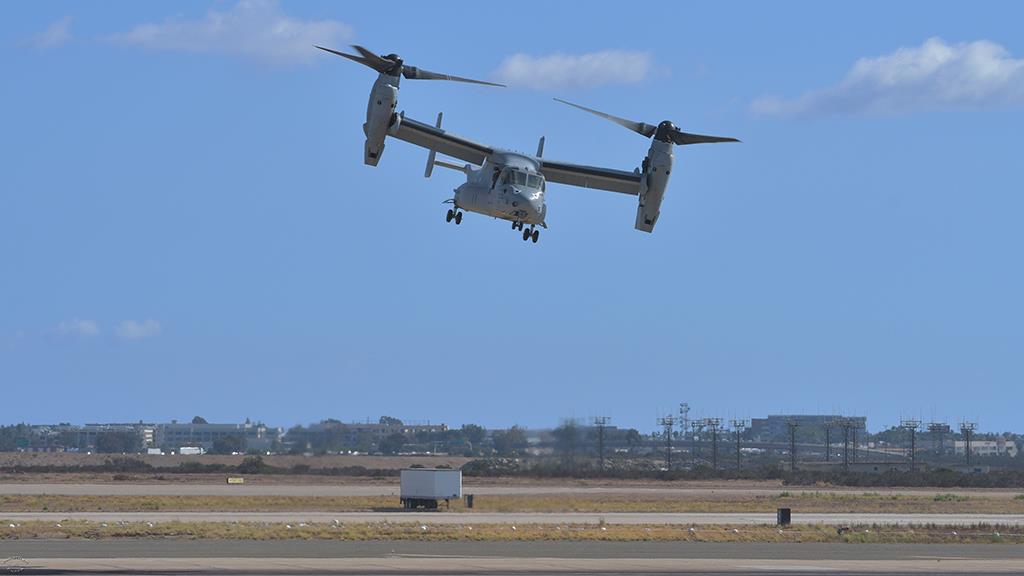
425,487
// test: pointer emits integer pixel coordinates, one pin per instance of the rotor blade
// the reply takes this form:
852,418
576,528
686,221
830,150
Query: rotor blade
414,73
684,138
361,60
638,127
380,64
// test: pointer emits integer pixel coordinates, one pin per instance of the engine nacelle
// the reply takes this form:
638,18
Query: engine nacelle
657,169
379,112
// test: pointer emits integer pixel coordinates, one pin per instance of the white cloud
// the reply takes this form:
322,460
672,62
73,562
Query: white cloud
133,330
561,71
254,28
55,35
979,74
76,327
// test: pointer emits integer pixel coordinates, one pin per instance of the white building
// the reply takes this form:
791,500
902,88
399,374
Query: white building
996,447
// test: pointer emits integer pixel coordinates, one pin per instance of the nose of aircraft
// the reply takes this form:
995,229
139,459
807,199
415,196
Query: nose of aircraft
532,201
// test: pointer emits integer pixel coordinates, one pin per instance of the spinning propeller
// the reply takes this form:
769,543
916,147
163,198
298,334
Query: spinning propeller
665,131
392,65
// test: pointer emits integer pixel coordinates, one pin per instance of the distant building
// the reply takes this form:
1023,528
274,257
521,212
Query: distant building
87,436
996,447
254,435
336,435
810,427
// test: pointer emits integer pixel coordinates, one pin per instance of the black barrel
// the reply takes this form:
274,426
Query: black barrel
469,500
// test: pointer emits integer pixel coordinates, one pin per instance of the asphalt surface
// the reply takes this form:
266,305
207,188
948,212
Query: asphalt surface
403,557
505,518
181,548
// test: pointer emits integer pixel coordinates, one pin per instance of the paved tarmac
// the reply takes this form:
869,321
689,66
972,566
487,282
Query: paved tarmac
505,518
331,557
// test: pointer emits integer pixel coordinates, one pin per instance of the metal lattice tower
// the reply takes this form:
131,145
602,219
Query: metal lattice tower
938,431
967,429
792,425
684,415
738,426
829,425
847,425
713,424
668,423
694,428
912,426
601,422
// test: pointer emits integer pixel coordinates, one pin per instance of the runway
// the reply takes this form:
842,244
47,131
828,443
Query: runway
524,518
405,557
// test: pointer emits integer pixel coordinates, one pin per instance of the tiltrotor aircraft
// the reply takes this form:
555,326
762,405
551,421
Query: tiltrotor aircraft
502,183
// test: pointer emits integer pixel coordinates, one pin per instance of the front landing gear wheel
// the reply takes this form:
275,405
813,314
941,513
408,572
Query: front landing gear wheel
458,218
449,216
535,235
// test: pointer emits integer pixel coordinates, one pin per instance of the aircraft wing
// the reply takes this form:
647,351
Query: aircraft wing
591,177
432,138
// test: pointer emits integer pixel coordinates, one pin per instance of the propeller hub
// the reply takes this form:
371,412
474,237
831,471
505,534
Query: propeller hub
396,64
665,131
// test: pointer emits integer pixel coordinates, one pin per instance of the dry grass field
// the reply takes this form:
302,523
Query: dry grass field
806,502
529,532
287,461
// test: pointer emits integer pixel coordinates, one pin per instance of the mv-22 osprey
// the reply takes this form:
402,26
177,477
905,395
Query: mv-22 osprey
502,183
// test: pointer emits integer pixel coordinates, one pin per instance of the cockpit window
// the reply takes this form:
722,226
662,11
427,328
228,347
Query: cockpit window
524,179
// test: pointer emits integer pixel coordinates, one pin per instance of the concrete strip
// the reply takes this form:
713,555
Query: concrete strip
183,548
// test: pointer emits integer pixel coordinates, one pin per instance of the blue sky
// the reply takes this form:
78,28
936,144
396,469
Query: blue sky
186,225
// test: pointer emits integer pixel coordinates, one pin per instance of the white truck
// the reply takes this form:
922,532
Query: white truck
425,487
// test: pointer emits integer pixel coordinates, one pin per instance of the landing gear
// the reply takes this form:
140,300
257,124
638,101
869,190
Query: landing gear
455,214
458,218
449,216
517,225
531,234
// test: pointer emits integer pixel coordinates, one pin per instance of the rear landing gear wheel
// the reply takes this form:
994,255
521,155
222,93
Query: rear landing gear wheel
526,235
535,235
458,218
449,216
